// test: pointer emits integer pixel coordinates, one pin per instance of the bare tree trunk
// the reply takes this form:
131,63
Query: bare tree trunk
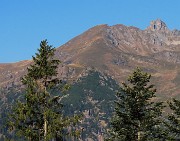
29,138
45,128
45,119
139,133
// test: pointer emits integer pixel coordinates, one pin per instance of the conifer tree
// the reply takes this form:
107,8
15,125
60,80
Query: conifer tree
39,116
137,117
173,122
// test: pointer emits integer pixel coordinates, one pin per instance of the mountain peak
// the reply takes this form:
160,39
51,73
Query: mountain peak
158,25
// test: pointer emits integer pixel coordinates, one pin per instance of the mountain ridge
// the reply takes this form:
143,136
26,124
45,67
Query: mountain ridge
114,50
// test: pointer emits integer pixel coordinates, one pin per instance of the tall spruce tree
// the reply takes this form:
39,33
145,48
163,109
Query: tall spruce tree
40,116
173,122
137,117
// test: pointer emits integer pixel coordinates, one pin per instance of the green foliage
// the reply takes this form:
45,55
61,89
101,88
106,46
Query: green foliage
40,116
136,117
95,85
101,89
173,122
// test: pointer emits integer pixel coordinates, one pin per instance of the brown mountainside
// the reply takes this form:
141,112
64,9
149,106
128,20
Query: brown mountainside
116,51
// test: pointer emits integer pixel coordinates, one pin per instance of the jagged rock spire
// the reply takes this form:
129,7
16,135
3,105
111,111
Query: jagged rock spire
158,25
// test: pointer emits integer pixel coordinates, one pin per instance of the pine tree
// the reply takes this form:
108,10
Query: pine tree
137,117
40,116
173,122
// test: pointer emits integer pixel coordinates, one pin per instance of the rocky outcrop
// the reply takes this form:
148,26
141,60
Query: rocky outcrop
158,25
161,35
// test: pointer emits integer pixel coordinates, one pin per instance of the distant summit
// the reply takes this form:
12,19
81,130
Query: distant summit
158,25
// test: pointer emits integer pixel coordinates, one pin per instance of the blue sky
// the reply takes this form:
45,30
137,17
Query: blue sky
24,23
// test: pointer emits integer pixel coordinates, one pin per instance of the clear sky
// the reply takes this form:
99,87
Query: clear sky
24,23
